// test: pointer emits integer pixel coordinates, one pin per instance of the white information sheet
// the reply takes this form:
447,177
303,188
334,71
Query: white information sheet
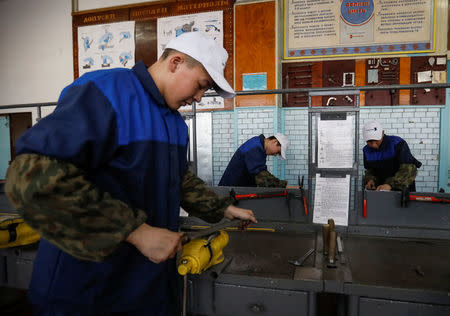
209,24
335,143
105,46
331,200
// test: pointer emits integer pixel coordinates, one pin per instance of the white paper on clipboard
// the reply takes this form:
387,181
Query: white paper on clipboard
335,143
331,200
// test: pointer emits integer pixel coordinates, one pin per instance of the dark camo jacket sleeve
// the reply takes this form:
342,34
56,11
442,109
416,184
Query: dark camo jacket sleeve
57,201
201,201
266,179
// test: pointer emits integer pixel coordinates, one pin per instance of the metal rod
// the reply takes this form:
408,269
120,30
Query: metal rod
184,294
39,113
292,90
350,88
194,137
28,105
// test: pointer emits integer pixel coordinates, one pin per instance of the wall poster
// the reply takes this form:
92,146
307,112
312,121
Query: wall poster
208,23
325,28
105,46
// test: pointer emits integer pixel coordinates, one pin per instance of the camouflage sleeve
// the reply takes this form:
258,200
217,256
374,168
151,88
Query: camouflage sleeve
55,198
405,175
369,175
266,179
200,201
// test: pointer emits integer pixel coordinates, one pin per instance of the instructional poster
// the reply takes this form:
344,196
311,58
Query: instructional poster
331,200
106,46
209,24
314,28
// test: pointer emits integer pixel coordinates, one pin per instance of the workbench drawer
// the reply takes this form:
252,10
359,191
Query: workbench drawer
16,266
373,307
237,300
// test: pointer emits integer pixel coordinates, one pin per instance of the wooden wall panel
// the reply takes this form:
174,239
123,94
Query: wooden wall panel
317,82
382,71
255,48
333,76
405,78
430,96
360,79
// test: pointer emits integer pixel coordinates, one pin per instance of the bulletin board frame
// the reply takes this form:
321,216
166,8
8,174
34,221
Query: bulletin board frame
145,16
338,28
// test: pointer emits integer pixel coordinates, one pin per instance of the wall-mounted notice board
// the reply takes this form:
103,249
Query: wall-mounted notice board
357,27
145,17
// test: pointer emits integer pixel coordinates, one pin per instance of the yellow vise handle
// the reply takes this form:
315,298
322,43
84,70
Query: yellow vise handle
199,254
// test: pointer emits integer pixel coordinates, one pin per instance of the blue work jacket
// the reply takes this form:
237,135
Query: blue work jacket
246,163
385,161
116,126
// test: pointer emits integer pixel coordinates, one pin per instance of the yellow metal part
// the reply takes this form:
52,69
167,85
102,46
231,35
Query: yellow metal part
199,254
15,232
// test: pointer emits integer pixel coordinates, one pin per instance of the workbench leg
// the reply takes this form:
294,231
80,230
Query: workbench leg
341,302
353,305
312,302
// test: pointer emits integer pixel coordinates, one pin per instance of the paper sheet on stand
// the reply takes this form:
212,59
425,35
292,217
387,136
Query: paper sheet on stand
331,200
335,143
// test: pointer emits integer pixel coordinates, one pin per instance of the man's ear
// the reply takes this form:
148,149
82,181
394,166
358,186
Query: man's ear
175,61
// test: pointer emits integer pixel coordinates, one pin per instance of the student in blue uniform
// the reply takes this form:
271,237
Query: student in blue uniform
388,161
102,179
247,167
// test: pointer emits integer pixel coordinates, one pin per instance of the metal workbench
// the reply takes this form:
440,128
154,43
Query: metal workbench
394,261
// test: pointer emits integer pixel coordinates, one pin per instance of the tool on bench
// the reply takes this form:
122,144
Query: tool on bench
302,194
188,236
406,197
200,254
238,197
299,262
423,198
364,199
203,248
325,239
329,239
275,194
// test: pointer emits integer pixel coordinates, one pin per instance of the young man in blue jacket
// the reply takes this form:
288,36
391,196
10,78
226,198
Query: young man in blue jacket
388,161
247,167
102,179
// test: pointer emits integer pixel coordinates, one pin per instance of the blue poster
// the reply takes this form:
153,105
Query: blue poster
254,81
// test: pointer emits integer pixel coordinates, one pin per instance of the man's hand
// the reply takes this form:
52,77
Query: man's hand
370,185
384,187
157,244
242,213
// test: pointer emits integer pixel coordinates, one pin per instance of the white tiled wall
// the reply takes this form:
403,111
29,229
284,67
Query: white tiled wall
419,126
250,122
222,142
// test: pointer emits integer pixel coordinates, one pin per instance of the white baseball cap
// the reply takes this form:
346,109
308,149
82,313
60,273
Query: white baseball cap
372,130
284,142
209,53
